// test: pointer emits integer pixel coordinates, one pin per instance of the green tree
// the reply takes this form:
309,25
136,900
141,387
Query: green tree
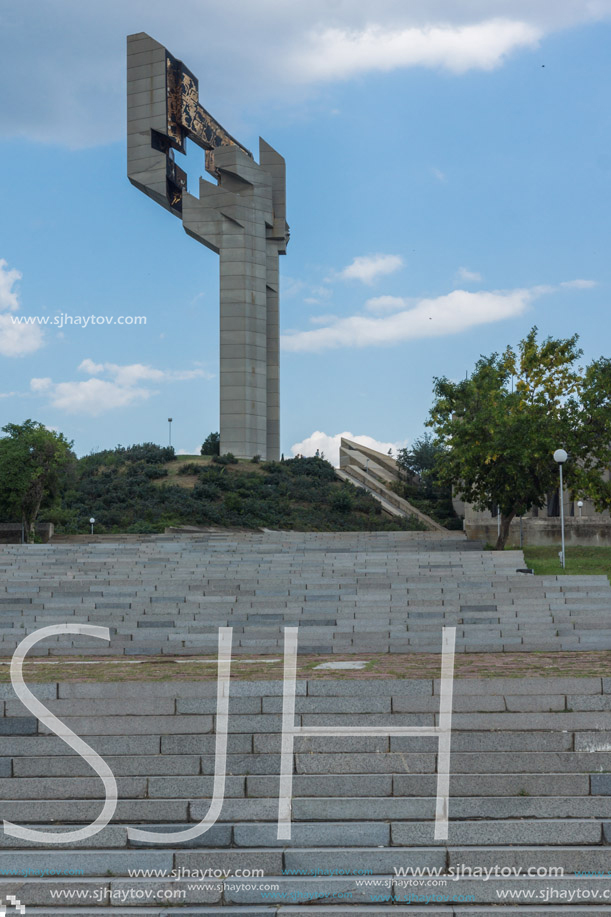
33,460
211,445
420,460
499,428
591,476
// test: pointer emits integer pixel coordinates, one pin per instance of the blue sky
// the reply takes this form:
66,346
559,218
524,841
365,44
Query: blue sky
448,176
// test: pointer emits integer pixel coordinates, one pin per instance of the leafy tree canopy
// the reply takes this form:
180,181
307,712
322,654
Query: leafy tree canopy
211,444
33,461
498,429
421,458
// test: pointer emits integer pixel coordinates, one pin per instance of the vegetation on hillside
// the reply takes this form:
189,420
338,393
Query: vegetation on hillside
146,488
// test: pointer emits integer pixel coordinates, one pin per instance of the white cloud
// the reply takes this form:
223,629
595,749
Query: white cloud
88,366
337,53
9,301
68,58
367,268
579,284
41,385
385,303
93,397
96,396
439,175
290,286
449,314
16,340
330,445
465,274
132,373
323,319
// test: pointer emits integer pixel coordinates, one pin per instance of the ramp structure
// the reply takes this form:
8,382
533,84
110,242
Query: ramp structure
242,218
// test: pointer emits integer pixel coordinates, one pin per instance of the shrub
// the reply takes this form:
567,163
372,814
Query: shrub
142,528
189,468
313,466
227,459
149,453
341,501
155,471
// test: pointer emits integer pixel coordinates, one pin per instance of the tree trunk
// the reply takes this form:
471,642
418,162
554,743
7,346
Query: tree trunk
504,533
27,532
29,522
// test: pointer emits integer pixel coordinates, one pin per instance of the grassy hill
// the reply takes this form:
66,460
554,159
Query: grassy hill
146,488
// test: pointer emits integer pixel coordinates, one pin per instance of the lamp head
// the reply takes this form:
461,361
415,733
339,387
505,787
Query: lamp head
560,456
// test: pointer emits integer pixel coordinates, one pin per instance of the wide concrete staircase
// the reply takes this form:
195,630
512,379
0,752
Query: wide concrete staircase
530,785
348,593
530,790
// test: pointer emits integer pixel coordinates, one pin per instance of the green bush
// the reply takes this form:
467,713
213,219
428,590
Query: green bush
312,466
227,459
341,501
142,528
189,468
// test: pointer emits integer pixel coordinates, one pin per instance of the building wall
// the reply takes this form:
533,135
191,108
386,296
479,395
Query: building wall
584,531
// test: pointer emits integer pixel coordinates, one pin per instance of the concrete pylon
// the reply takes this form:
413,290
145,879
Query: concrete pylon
242,218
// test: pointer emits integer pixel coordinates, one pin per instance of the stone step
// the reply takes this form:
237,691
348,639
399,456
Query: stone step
475,832
236,810
307,861
330,910
326,890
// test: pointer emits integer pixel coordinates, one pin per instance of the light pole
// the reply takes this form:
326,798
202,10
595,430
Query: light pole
91,521
580,505
560,456
170,430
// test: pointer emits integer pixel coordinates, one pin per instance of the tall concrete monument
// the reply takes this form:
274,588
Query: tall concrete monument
242,218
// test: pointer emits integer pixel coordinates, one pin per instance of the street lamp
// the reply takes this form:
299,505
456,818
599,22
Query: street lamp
91,521
580,504
560,456
170,429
